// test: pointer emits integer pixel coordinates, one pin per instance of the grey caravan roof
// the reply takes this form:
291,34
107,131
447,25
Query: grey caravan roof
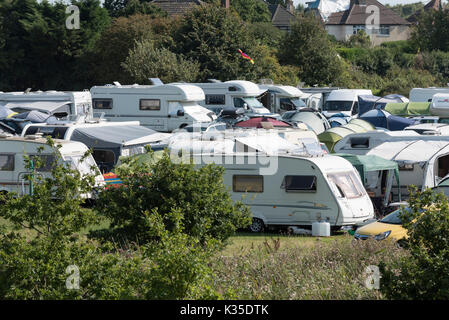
50,107
110,137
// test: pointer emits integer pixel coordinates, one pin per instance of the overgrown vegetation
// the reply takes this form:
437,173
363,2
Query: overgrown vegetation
132,40
423,274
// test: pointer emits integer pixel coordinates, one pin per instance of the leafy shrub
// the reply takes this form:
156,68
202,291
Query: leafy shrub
422,274
205,205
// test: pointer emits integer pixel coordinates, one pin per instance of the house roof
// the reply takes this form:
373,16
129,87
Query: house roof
357,15
176,7
434,4
280,16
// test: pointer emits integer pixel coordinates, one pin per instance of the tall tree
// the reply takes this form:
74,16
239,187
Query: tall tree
252,10
432,30
308,47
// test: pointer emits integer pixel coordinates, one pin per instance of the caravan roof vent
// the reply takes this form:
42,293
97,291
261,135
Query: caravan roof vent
213,81
37,135
117,84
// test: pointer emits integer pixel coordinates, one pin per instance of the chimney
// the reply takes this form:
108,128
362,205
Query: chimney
290,6
225,4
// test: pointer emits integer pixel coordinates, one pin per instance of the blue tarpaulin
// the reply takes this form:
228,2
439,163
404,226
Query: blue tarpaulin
383,119
369,102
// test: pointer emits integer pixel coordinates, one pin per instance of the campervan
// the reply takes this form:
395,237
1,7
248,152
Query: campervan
162,107
13,171
343,101
108,140
279,99
58,103
425,94
233,94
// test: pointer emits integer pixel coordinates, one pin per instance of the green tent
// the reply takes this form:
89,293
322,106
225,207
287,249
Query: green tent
365,124
331,136
367,163
355,127
409,109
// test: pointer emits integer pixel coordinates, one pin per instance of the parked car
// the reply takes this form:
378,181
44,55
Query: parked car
390,227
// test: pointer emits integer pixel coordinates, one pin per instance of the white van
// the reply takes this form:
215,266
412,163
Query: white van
301,191
425,94
279,98
233,94
343,101
12,164
58,103
163,107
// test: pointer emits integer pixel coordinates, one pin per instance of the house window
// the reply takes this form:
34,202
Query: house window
357,28
299,184
150,104
6,162
215,99
247,183
102,103
384,30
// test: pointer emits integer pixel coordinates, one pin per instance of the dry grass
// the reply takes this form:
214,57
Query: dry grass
292,268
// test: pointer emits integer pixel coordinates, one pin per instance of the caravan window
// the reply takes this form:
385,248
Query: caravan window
47,162
247,183
102,103
215,99
299,184
347,184
150,104
6,162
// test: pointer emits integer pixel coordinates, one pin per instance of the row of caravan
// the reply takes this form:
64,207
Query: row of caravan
164,107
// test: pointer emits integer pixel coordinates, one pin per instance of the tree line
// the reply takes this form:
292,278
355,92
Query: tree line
132,40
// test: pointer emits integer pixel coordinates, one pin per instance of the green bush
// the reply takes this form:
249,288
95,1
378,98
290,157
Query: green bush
424,273
206,208
43,249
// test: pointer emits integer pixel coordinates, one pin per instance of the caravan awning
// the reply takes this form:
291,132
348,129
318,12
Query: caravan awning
43,106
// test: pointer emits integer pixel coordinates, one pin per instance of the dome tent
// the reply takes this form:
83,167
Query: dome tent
383,119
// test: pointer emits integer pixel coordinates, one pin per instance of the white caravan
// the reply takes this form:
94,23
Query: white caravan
284,182
58,103
421,163
343,101
362,143
163,107
301,191
12,165
233,94
279,98
425,94
108,140
440,104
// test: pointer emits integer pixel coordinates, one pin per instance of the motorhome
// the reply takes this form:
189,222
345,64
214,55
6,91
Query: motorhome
280,98
425,94
62,104
161,107
343,101
108,140
233,94
300,191
13,171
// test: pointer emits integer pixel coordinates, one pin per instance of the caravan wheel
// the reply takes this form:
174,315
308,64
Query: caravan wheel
257,225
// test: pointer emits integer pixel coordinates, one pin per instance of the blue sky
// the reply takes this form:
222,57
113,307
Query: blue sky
390,2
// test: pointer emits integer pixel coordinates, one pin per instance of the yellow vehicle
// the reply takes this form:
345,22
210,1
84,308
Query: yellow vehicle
389,227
